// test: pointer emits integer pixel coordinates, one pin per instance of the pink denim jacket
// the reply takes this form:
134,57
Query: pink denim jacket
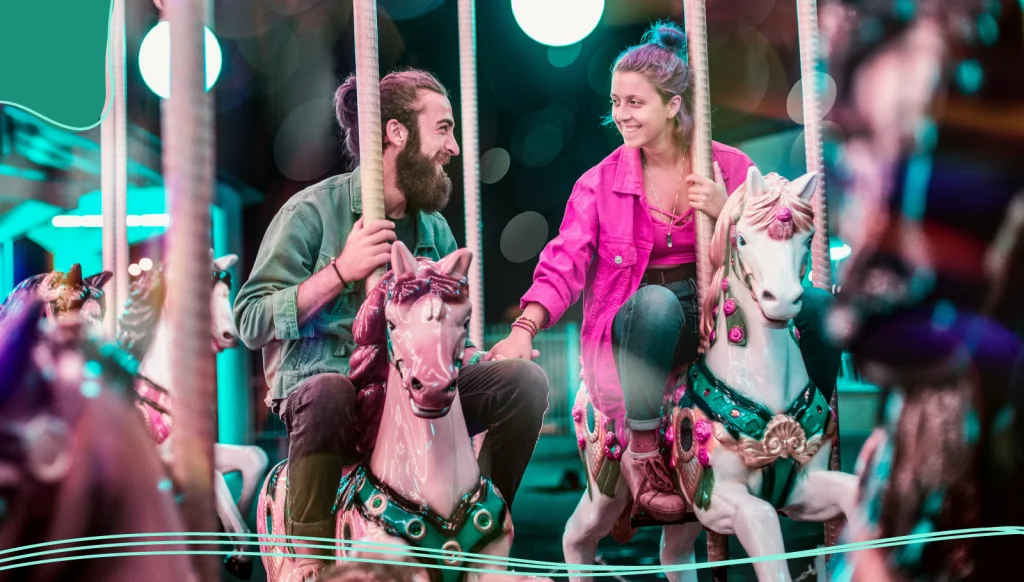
602,250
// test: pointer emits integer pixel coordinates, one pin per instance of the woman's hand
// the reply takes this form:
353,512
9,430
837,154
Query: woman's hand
707,196
518,344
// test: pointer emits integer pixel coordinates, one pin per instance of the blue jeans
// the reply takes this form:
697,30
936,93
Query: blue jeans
657,329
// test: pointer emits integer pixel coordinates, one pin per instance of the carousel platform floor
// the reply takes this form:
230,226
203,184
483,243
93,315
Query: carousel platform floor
547,498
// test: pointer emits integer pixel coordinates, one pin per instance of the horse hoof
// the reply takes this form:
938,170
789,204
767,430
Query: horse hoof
239,566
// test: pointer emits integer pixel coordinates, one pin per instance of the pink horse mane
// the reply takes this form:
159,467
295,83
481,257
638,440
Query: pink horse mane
369,363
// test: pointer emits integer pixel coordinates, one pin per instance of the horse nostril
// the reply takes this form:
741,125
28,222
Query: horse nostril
767,296
416,384
228,335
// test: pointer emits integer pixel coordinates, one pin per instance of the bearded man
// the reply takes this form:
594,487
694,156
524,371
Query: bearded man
303,294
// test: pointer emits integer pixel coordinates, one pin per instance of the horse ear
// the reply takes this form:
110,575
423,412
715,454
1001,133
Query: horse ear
73,278
46,290
805,185
402,259
224,263
756,185
456,264
98,280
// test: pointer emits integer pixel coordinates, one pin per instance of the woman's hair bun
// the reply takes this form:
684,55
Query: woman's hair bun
667,34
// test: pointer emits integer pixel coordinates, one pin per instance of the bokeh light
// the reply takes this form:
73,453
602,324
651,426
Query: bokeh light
542,135
145,263
563,56
155,59
524,237
305,142
134,270
795,104
494,164
558,23
969,76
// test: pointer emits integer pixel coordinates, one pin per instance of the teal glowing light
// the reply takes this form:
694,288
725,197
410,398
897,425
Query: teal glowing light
155,59
559,23
969,76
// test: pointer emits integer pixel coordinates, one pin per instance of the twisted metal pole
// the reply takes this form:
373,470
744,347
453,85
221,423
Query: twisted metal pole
114,174
371,145
695,23
188,170
821,262
471,165
695,18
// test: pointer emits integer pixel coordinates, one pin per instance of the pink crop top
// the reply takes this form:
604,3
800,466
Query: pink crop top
682,248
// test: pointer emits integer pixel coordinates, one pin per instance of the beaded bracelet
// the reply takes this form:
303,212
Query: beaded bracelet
530,322
524,326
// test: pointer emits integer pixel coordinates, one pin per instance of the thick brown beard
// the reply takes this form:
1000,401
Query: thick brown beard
424,187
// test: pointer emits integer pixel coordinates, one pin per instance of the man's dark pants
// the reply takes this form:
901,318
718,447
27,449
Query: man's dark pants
507,398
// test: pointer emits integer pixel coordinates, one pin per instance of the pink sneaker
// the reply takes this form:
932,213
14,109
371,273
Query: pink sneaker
651,485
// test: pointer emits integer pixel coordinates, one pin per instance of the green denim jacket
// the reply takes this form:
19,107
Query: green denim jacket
307,234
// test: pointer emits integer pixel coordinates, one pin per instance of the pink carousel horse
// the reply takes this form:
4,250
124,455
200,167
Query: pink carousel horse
144,333
747,433
421,487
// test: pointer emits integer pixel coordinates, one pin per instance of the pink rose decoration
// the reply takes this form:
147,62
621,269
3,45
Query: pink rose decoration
679,393
702,431
725,283
670,436
736,334
581,440
609,440
784,214
577,414
714,311
711,336
703,458
730,306
796,332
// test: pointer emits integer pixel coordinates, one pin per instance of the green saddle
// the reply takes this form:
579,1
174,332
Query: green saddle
743,417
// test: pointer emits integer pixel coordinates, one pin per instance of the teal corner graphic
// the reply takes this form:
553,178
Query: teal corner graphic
53,59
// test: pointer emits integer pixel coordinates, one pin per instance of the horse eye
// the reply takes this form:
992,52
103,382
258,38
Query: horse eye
740,240
391,325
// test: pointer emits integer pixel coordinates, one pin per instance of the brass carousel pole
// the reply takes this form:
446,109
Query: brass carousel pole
188,171
371,145
695,20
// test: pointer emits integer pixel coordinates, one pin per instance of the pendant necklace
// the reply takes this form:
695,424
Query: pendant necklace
672,223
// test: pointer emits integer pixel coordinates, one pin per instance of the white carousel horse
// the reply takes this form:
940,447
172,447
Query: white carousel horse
421,487
751,434
146,335
747,434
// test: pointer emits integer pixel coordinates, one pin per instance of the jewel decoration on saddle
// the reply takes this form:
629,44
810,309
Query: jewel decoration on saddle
691,454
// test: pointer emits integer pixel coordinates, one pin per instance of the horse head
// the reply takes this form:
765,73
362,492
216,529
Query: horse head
63,295
427,314
761,246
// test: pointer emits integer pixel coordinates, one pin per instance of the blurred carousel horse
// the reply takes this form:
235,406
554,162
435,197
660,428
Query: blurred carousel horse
146,335
74,459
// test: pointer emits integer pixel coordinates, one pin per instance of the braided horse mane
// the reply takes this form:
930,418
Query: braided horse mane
759,209
369,362
137,324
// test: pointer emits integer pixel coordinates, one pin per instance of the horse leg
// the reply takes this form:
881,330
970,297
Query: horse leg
734,511
250,461
239,565
823,495
677,542
593,519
